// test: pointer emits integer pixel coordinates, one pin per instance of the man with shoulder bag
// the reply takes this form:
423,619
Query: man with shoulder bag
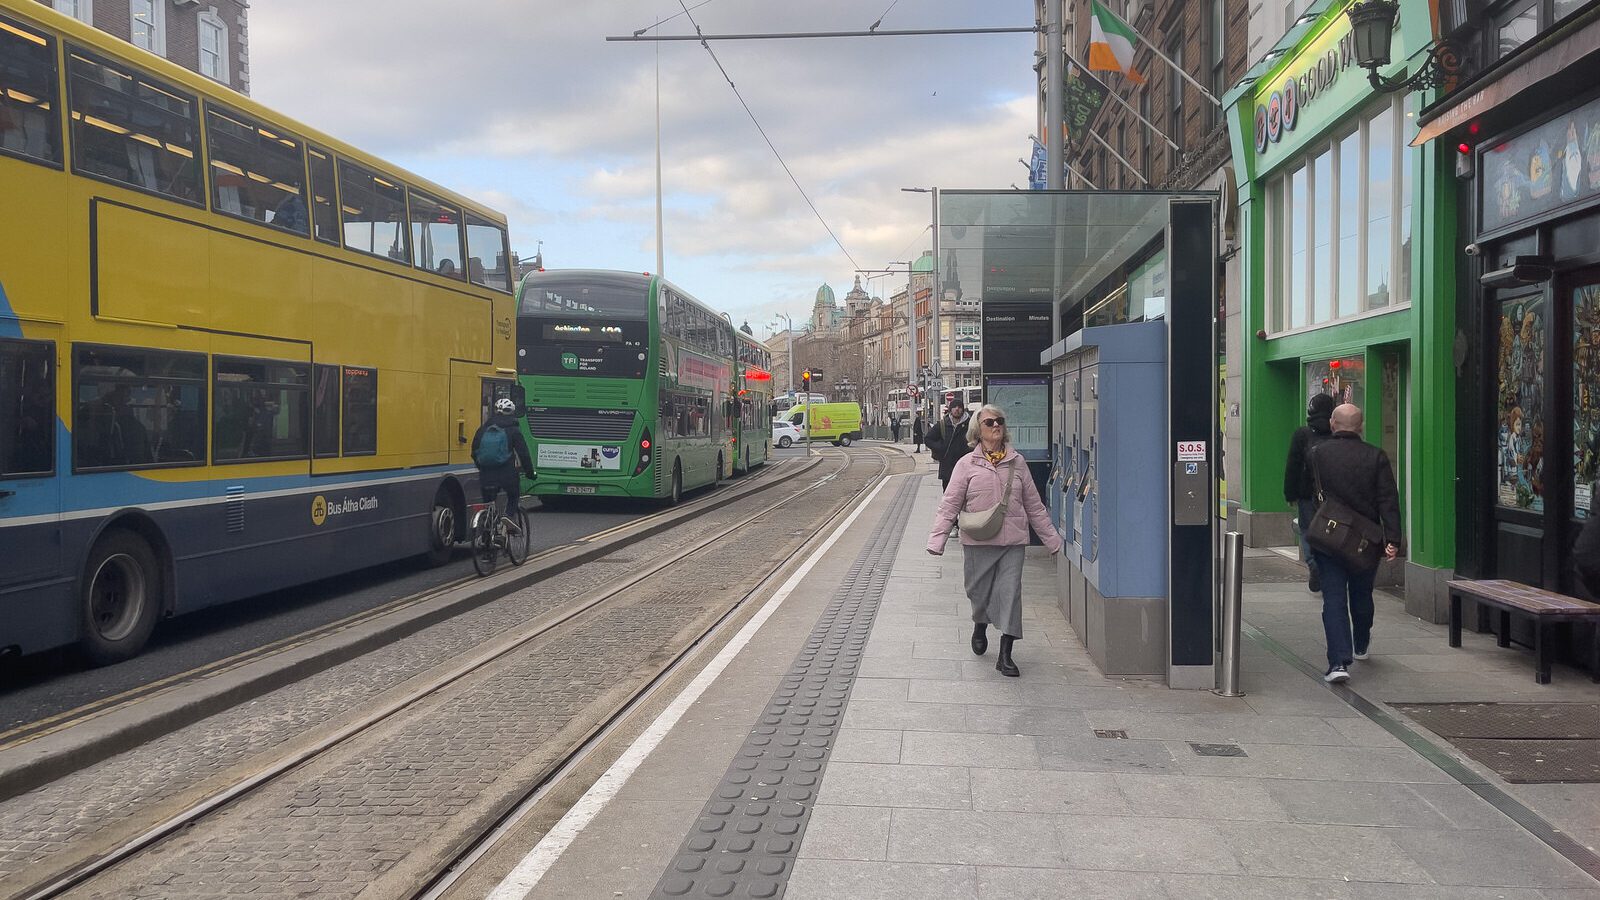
948,440
1356,526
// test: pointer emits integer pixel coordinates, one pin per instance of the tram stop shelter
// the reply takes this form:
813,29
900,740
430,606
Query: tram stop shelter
1100,341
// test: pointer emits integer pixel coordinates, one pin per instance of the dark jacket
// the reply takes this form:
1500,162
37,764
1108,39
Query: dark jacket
1586,552
519,447
1360,474
1296,474
916,429
948,443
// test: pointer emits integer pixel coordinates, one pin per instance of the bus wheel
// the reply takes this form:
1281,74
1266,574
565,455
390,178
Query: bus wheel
442,527
676,496
121,598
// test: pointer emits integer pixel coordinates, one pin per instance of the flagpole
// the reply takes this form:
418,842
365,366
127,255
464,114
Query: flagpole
1125,164
1126,105
1177,68
1080,176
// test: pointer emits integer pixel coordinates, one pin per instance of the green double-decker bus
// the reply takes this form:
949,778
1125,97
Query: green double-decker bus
629,385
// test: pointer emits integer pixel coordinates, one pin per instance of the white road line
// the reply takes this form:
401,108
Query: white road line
528,873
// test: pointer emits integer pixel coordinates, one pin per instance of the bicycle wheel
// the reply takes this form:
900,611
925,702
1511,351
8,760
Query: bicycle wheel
483,549
518,541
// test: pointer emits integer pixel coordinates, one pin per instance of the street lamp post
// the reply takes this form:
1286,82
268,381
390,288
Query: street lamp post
788,330
937,338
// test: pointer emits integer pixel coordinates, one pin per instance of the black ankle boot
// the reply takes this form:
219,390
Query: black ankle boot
1004,663
980,638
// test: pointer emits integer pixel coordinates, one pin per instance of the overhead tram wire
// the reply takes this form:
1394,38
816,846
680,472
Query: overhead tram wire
674,16
885,15
770,145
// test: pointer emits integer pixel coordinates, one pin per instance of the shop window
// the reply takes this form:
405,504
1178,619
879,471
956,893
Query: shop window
27,408
1520,414
30,125
137,409
1379,186
260,410
360,408
257,172
1175,93
1350,217
1297,227
325,411
1515,28
1585,396
82,10
133,129
1322,200
1343,379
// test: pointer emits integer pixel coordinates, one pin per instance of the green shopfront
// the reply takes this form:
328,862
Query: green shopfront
1348,285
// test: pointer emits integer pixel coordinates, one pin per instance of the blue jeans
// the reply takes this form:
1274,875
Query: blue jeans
1346,605
1307,510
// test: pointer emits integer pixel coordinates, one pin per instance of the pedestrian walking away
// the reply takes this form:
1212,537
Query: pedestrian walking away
916,433
894,428
1347,469
992,481
948,440
1297,483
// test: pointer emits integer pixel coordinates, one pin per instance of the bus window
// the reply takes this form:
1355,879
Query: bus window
436,237
325,411
130,128
256,173
324,207
374,213
30,125
137,408
27,408
360,411
260,410
486,243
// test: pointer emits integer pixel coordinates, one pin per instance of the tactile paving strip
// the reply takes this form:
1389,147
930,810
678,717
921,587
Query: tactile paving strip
746,839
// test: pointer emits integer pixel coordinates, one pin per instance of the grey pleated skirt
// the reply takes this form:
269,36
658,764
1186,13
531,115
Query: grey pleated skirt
994,585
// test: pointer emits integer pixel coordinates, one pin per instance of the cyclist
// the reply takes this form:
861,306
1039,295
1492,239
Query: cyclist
497,447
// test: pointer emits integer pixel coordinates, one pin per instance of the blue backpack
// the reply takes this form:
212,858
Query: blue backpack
494,448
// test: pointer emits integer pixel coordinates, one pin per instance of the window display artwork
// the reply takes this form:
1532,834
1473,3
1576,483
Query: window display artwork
1343,379
1543,169
1519,463
1585,396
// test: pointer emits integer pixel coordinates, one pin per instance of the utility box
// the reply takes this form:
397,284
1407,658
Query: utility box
1108,492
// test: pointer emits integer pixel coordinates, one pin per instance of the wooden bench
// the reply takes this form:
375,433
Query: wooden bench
1543,608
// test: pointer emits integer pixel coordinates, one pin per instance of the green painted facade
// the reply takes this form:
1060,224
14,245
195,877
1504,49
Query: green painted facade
1422,333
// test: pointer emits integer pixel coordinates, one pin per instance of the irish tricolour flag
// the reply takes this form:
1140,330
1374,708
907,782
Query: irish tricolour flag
1111,43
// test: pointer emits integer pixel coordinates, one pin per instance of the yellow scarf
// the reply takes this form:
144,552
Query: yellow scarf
994,456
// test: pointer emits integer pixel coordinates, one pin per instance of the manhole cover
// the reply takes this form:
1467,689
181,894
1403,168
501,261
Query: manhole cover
1116,734
1508,721
1537,762
1217,749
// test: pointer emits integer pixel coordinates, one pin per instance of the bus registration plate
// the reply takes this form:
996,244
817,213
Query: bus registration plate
580,488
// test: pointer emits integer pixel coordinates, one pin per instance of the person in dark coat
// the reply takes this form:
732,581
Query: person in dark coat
948,442
1359,474
916,433
497,477
1297,485
894,428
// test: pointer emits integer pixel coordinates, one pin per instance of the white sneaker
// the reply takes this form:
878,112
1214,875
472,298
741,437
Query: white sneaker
1336,675
1364,652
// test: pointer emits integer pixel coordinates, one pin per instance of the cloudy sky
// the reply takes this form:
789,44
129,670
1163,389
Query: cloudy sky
524,105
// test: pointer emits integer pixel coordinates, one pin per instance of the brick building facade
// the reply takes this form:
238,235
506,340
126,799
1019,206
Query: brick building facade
211,37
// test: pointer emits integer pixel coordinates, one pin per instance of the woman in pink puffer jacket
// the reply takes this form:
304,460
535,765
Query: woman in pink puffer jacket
993,567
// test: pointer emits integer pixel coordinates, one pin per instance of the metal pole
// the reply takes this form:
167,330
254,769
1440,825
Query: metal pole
1232,613
937,298
1055,98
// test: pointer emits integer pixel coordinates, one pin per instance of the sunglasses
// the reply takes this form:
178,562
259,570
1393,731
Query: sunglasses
995,423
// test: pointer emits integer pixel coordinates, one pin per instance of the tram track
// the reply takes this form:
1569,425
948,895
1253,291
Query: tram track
471,846
362,632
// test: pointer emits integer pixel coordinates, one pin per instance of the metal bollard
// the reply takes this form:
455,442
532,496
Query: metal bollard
1232,613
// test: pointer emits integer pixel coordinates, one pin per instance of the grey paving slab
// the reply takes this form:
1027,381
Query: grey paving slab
1327,763
632,828
1322,851
1093,754
1379,891
1201,797
674,772
880,689
1033,791
1146,845
864,745
846,832
910,667
903,715
929,748
1355,803
1246,887
1489,858
832,879
896,785
1011,883
1026,720
975,838
1219,728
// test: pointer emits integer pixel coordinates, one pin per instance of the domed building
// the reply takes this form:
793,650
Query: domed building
825,312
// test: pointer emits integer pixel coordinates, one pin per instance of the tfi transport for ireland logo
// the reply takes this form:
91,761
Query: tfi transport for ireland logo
322,510
569,360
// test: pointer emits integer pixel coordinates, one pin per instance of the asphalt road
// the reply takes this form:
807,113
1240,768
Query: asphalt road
45,684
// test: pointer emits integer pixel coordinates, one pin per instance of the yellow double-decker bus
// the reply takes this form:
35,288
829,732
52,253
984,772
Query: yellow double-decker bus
235,354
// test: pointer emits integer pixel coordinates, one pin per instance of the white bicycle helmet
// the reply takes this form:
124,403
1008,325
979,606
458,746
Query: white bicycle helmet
504,406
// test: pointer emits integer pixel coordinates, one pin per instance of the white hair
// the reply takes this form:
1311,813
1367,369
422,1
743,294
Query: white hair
975,428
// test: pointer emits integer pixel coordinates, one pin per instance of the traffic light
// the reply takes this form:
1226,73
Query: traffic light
805,377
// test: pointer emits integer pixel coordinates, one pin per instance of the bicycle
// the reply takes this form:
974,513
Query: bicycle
494,531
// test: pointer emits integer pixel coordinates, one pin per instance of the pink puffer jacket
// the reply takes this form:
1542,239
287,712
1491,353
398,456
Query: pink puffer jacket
977,484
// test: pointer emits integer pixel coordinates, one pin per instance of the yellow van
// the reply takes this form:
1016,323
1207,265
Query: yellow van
838,423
